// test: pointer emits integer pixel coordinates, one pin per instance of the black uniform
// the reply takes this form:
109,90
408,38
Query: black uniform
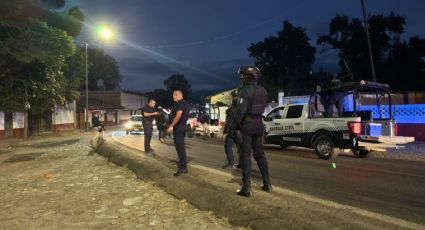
179,131
161,124
249,109
230,137
148,127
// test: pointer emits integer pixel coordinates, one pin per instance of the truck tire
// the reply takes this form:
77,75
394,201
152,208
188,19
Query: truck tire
324,147
360,153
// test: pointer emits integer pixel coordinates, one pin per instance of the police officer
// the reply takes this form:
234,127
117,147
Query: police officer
149,114
251,103
162,123
180,114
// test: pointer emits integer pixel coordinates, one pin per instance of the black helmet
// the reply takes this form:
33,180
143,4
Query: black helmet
250,71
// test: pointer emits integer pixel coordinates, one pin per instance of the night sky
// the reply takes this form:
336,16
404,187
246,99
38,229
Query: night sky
207,40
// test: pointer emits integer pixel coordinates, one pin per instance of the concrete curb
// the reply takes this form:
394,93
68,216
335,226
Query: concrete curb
248,212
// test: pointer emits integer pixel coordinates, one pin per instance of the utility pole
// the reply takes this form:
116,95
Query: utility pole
366,23
87,95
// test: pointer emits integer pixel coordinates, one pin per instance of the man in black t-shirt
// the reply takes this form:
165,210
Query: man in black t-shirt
180,114
149,114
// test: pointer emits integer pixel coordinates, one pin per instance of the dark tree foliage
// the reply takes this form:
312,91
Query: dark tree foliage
102,67
398,63
34,54
178,81
285,61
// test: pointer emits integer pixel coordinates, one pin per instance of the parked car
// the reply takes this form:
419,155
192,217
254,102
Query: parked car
135,123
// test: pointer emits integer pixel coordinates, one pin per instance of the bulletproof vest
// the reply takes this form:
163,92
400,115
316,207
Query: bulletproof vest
257,102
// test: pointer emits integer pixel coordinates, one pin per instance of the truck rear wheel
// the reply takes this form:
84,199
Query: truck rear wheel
324,147
360,153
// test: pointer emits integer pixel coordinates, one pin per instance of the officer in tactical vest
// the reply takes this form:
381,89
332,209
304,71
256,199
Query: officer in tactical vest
251,103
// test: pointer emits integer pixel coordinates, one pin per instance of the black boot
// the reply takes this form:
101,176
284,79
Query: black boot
180,171
244,192
267,187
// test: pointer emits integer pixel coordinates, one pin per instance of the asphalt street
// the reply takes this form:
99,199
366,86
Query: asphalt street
391,187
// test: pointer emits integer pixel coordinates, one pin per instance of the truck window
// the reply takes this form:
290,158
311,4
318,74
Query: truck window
275,114
294,111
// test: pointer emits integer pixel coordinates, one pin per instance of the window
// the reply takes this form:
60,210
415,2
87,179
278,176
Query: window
275,114
294,111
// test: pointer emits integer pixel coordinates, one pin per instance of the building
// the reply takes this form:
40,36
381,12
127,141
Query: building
60,118
218,103
112,107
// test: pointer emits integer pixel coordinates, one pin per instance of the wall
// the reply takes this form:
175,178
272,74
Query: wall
64,117
123,116
131,101
18,124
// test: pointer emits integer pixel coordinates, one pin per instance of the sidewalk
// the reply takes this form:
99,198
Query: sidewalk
61,183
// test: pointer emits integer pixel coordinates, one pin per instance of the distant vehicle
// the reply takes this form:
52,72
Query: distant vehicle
324,124
195,127
134,124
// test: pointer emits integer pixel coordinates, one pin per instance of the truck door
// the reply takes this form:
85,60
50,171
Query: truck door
292,127
273,120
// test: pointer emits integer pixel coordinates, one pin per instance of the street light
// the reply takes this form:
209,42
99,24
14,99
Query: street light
105,34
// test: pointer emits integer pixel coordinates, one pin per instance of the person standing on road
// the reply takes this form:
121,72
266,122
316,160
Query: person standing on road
250,106
180,114
230,138
161,123
149,114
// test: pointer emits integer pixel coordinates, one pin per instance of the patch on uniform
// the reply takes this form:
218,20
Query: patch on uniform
240,101
346,136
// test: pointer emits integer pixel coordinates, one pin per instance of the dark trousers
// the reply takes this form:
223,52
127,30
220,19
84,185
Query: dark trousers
179,132
228,149
161,133
148,130
252,140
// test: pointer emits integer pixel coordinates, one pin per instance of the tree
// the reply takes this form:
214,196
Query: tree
405,66
102,67
285,61
163,98
33,57
178,82
397,62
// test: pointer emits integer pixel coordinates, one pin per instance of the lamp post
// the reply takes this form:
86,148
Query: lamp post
105,34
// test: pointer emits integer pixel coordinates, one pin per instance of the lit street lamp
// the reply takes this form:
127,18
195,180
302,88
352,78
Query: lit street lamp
106,34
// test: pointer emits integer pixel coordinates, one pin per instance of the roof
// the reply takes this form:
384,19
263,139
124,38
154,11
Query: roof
222,91
362,85
95,103
114,92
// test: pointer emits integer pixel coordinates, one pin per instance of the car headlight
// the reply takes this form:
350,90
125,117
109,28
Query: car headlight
128,125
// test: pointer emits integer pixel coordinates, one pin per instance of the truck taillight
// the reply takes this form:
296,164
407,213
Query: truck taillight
355,128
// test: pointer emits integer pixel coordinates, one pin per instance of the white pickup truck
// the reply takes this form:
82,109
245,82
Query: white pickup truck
194,126
323,127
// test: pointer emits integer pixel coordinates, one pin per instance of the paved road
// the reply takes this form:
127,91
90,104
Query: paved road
387,186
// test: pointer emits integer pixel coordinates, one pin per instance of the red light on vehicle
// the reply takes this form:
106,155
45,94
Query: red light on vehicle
355,128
